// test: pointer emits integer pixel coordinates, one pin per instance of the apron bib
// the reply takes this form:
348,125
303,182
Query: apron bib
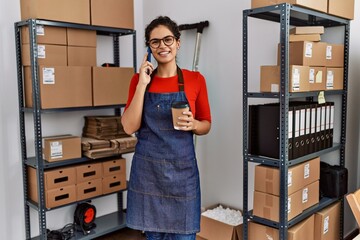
164,188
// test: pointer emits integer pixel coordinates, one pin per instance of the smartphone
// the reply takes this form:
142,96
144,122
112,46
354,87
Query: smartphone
149,54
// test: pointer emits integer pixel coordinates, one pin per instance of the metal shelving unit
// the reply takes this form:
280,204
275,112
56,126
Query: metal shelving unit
289,15
105,224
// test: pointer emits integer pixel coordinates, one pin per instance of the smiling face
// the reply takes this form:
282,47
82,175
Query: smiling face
165,53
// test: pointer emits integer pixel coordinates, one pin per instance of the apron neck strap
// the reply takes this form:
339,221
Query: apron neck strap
180,79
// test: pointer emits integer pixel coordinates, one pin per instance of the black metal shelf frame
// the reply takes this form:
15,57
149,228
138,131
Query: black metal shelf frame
36,110
287,15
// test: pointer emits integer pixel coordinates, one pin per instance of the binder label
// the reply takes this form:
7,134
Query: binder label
290,127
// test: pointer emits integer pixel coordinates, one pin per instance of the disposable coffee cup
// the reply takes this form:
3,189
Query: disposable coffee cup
177,109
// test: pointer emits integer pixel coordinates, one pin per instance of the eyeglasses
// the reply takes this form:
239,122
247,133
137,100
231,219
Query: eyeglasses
168,41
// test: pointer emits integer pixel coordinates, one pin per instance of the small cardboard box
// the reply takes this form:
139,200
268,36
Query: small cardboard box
334,55
310,195
89,189
320,5
45,35
112,13
270,79
311,171
212,229
60,196
334,78
267,205
60,86
47,55
327,222
114,183
58,10
81,56
110,85
306,53
88,172
113,167
53,196
62,147
53,179
301,231
317,77
342,8
81,37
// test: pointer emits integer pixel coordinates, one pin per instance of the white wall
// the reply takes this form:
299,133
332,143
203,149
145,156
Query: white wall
220,152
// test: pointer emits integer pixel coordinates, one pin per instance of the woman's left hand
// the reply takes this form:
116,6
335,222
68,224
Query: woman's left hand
187,122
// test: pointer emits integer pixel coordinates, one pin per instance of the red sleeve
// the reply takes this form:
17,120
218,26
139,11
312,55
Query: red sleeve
202,102
132,89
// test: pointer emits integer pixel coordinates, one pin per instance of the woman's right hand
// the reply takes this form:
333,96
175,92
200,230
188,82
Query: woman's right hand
145,71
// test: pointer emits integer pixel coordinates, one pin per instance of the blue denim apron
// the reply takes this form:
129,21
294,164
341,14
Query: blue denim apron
164,188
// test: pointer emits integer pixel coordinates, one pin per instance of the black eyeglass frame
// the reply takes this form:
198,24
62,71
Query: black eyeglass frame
157,41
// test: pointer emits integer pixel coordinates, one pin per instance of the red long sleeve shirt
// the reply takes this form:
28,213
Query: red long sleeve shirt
195,91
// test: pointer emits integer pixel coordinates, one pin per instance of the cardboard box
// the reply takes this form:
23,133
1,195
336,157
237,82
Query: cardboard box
110,85
63,147
334,78
47,55
113,167
327,222
317,78
270,79
310,195
307,30
88,172
81,37
56,178
342,8
60,196
320,5
267,205
59,186
311,171
112,13
45,35
114,183
267,179
58,10
88,189
302,230
81,56
60,87
212,229
306,53
335,55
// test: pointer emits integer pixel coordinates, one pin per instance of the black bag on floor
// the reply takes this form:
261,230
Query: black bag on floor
333,180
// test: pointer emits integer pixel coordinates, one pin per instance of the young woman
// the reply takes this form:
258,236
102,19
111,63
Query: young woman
164,189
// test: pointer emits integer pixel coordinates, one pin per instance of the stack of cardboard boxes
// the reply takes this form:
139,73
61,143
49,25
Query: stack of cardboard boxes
68,72
314,66
70,184
340,8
